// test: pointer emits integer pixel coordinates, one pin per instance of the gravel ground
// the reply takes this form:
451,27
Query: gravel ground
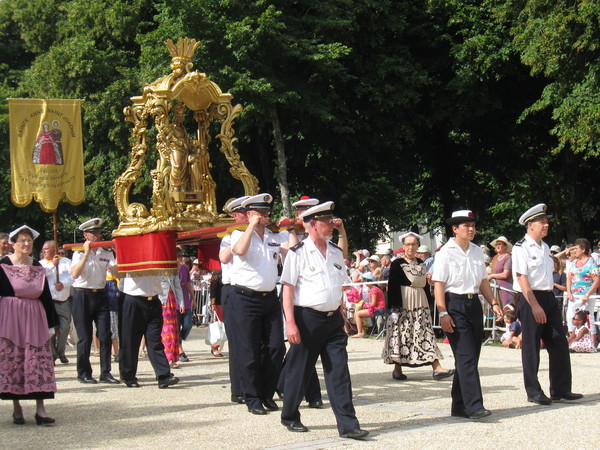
197,413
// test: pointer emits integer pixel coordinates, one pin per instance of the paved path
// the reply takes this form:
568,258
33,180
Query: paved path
197,413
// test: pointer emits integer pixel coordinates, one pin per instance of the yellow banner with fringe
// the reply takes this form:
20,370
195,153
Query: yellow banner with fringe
46,152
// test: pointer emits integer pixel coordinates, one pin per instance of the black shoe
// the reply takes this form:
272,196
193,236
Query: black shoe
43,420
567,396
400,377
109,379
87,380
459,414
18,420
318,404
63,359
257,410
270,405
480,414
295,426
166,382
540,399
132,383
441,375
356,433
238,399
183,358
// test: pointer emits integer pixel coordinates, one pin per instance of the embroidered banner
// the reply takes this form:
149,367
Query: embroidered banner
46,152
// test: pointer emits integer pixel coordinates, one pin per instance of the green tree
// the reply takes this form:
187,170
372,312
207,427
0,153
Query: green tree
561,41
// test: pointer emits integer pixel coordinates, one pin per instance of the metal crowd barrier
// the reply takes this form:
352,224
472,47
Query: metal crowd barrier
201,315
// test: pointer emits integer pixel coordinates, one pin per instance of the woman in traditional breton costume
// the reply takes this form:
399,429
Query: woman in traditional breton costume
410,340
27,320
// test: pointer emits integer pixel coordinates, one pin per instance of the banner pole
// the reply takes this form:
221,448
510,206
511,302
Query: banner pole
54,220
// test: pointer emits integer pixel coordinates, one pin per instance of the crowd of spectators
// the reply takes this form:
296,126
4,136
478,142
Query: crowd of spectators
576,287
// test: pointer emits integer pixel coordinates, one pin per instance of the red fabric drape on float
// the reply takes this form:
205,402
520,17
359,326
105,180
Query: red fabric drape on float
147,254
208,256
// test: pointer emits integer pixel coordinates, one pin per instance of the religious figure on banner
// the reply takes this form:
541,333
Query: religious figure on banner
57,135
46,150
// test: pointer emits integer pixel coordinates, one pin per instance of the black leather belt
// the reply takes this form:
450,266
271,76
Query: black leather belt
88,289
469,296
143,297
321,313
251,292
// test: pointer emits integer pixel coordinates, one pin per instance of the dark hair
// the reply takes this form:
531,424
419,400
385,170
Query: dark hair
510,315
23,231
584,244
581,315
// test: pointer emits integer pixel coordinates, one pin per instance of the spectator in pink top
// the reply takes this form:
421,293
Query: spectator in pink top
374,307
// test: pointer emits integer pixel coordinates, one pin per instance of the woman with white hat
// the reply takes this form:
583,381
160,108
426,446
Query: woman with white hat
501,270
27,320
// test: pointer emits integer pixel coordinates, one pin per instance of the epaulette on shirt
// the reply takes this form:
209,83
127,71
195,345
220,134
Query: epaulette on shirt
334,245
519,243
297,246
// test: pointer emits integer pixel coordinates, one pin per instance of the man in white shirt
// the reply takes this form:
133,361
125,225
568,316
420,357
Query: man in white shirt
142,316
312,278
90,303
459,275
225,256
538,311
255,308
60,281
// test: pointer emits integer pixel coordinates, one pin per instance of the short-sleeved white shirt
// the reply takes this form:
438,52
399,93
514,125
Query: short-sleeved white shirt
64,276
257,269
146,286
317,280
225,267
93,275
534,260
462,271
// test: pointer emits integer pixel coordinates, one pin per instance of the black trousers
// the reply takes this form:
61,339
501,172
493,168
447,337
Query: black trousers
142,317
553,335
89,307
465,342
234,375
321,335
313,389
258,338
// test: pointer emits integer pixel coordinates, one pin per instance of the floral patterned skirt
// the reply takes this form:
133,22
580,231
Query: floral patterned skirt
26,364
410,340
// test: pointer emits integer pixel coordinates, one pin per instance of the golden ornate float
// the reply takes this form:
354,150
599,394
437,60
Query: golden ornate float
183,190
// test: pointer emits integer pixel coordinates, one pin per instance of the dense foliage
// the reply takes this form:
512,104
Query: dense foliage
400,111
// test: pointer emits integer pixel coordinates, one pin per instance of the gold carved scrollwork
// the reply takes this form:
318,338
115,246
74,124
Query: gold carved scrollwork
183,190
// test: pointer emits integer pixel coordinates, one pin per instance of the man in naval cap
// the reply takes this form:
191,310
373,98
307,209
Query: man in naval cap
90,304
538,311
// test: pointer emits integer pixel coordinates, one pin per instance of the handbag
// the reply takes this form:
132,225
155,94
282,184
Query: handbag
215,334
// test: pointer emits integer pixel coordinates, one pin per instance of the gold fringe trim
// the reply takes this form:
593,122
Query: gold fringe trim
148,272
